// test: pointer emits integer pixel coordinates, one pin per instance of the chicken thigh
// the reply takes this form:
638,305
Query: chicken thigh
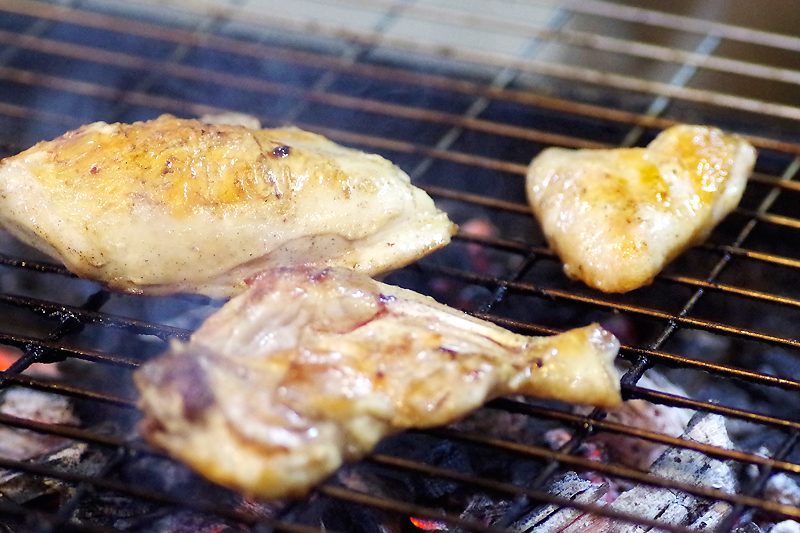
616,217
310,368
173,205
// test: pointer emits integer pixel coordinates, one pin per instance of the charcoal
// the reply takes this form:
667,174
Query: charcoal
666,505
75,458
554,518
641,414
782,489
175,521
787,526
484,509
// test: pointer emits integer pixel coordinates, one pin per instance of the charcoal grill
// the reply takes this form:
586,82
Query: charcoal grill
461,95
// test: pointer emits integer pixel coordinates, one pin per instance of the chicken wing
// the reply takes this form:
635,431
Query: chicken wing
616,217
310,368
174,205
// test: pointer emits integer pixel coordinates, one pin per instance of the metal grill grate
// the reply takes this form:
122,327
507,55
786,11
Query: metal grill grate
461,97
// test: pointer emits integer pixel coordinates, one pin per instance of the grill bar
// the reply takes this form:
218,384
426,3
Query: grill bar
162,498
619,307
758,484
622,473
132,62
421,467
538,496
248,83
58,351
444,150
725,260
85,316
64,389
562,72
62,517
503,404
462,158
578,421
478,106
681,23
597,42
229,45
662,398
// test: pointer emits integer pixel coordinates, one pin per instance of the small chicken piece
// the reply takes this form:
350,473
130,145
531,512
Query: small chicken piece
172,205
616,217
310,368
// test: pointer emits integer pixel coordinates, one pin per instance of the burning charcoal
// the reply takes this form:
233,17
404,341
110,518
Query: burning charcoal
76,458
481,509
480,257
38,406
504,425
551,517
748,527
20,444
788,526
16,524
712,517
670,421
685,466
428,524
671,507
782,489
432,491
557,438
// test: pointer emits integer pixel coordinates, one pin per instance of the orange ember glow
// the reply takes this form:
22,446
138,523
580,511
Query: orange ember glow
7,358
428,525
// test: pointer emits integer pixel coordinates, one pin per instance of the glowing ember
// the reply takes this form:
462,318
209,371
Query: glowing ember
428,524
7,357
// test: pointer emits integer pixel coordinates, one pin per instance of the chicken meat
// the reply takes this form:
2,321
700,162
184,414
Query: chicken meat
616,217
173,205
310,368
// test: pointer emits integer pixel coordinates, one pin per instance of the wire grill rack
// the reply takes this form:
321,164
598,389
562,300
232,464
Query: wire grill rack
461,96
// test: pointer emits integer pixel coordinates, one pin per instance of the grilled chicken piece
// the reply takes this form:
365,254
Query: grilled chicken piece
174,205
616,217
310,368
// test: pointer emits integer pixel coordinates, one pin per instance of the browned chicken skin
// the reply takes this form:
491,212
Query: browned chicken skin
616,217
310,368
173,205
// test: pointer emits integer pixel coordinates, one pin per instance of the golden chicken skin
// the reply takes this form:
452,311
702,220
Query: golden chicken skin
616,217
310,368
174,205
